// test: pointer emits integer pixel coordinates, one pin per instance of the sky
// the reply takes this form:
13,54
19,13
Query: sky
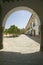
19,18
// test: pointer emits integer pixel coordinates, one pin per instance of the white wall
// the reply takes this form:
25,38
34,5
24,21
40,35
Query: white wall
36,27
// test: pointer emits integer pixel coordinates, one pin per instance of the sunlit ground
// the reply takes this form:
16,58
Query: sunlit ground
21,44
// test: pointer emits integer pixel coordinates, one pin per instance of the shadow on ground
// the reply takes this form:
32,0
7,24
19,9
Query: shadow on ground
13,58
37,39
10,36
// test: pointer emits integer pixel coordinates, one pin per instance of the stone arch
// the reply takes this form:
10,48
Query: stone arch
6,6
17,9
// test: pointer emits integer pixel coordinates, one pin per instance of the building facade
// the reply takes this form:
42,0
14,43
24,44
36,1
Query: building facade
33,26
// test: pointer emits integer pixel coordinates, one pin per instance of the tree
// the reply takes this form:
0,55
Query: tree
6,31
14,30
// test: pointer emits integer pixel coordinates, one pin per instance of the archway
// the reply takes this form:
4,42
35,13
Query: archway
6,6
17,9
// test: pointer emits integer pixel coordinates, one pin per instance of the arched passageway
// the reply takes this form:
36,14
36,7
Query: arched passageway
18,9
10,5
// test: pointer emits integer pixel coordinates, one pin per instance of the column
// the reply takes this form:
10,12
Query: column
41,46
1,29
1,37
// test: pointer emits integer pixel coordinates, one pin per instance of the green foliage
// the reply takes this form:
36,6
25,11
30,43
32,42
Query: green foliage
6,31
12,30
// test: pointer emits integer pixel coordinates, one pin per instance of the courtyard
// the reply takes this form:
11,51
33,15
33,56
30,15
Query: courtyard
20,50
22,44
